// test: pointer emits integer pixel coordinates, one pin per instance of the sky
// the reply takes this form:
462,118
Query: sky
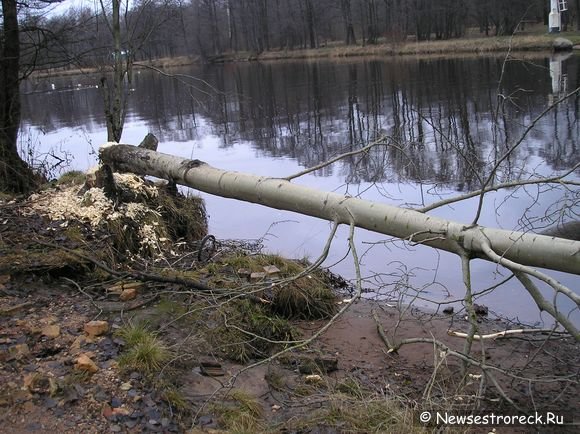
62,7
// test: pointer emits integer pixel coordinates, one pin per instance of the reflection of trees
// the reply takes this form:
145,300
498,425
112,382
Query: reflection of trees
444,114
561,151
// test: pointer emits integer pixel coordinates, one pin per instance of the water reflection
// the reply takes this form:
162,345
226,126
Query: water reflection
444,115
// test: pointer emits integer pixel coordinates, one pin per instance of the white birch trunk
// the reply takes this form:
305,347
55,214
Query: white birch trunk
525,249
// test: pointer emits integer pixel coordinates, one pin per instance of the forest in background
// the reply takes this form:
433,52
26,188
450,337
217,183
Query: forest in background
154,29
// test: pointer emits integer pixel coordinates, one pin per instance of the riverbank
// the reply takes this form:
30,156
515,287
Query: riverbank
521,44
185,333
478,46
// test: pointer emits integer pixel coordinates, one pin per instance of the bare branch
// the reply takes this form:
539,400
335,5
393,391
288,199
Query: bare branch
512,184
504,334
380,141
514,147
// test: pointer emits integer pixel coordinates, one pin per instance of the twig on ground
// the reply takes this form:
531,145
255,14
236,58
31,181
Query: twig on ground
506,333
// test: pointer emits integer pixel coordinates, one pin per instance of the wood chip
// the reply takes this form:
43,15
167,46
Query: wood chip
271,269
211,369
257,276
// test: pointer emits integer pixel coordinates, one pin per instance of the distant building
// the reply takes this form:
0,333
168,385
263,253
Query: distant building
555,17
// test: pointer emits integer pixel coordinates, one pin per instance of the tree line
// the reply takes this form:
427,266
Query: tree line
169,28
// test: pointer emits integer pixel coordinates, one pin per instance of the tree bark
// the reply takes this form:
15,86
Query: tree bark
114,97
15,175
526,249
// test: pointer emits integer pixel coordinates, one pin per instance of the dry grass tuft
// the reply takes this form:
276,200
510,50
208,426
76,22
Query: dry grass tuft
145,352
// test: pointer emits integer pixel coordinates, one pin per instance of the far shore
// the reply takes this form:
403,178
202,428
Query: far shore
481,46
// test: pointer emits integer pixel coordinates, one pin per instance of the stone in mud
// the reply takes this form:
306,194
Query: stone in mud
84,363
96,328
37,383
271,269
128,294
19,351
51,331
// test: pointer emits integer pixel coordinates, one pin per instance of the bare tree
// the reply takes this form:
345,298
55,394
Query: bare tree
127,38
22,50
346,9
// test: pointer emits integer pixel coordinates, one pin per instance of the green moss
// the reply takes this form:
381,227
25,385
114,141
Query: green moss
308,297
74,232
43,260
169,307
4,196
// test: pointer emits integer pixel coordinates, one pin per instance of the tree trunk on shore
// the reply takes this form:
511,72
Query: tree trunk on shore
506,247
15,175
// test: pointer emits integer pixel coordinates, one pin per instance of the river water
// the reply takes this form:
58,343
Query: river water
448,121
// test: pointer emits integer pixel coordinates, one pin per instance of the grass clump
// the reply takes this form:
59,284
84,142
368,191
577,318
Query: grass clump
241,415
246,402
174,398
305,298
275,380
351,387
145,352
256,263
294,294
73,177
371,415
133,333
248,330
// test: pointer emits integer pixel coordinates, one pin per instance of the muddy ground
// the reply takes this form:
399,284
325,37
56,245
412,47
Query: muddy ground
344,381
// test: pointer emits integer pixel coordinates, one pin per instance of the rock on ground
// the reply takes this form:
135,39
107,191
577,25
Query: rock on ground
562,44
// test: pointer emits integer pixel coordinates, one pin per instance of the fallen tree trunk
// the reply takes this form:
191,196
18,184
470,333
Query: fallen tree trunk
522,248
